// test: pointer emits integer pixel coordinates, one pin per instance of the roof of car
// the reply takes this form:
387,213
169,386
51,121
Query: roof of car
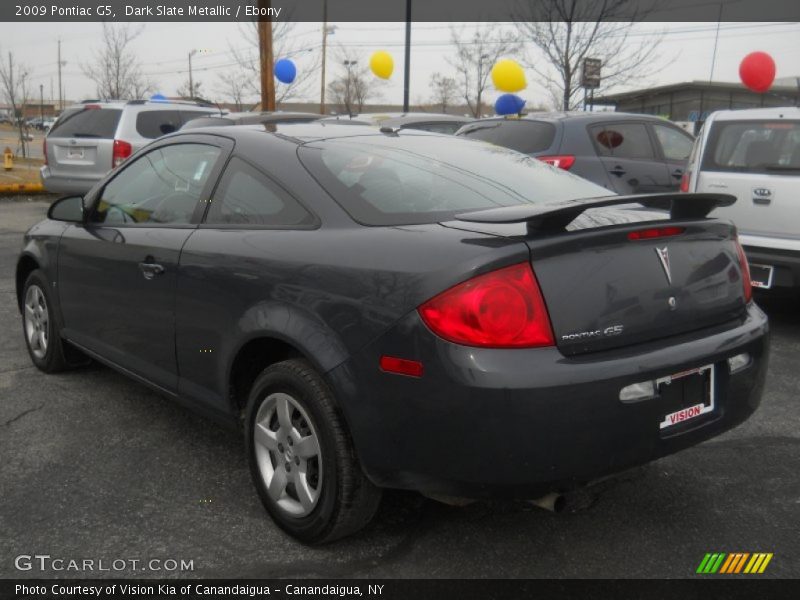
578,116
397,118
300,133
780,112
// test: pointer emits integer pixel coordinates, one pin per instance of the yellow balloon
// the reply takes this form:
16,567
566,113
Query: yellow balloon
508,76
381,64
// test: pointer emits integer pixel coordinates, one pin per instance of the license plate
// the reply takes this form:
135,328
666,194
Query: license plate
761,276
75,153
687,395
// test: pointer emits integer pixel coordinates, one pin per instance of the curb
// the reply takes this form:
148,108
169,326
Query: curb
18,188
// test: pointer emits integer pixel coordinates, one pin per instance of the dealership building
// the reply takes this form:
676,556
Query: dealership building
692,101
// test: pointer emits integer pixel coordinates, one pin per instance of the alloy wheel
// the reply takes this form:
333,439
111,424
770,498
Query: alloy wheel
37,320
288,454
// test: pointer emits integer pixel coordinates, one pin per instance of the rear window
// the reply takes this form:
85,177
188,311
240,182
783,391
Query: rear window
448,127
87,122
762,146
524,136
414,178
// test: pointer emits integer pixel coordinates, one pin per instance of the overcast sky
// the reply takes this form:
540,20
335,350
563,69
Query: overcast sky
162,49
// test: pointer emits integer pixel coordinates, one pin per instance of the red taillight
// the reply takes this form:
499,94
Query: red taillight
44,150
501,309
655,232
745,267
562,161
685,181
122,150
401,366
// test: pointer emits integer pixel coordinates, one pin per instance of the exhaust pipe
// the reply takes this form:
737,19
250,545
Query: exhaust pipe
554,502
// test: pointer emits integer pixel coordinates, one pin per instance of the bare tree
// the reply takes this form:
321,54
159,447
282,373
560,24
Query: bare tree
566,31
353,86
474,58
15,81
444,90
284,45
115,69
233,86
184,92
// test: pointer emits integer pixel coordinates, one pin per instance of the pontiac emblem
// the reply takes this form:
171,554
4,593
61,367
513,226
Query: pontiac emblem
663,255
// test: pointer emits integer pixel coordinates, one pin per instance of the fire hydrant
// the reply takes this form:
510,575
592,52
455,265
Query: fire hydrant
8,159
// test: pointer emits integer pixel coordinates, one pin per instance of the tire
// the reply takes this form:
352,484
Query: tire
319,493
39,327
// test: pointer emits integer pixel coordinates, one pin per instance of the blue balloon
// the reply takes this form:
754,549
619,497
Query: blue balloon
508,104
285,71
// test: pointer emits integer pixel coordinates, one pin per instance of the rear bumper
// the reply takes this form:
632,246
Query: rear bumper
59,184
521,423
786,265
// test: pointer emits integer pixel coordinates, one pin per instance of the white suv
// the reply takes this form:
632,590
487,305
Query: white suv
754,155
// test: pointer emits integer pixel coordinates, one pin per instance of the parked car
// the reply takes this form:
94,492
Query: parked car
436,123
624,153
251,118
399,310
754,155
91,138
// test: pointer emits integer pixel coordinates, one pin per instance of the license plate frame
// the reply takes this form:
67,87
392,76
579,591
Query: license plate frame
761,276
706,405
75,153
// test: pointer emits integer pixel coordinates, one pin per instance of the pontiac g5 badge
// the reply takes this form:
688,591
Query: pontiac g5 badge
663,255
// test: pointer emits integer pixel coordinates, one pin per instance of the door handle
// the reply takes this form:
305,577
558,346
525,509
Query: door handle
677,173
150,270
618,171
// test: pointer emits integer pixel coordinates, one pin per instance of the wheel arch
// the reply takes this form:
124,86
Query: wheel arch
26,264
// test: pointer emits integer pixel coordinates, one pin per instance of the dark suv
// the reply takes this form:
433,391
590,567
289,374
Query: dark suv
626,153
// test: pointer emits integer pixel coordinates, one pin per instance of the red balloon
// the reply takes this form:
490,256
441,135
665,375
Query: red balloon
757,71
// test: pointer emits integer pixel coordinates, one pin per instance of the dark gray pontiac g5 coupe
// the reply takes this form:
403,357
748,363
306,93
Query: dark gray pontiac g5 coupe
399,309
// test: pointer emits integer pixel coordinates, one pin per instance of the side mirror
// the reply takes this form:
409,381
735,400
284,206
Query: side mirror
69,208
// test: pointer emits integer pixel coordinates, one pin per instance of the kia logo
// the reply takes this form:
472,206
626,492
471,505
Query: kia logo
762,192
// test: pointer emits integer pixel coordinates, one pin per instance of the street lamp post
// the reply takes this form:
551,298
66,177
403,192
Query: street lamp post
349,64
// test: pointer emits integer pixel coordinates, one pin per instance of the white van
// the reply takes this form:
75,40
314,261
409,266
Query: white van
754,155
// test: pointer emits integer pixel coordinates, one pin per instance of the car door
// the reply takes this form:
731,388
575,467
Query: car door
629,157
675,146
117,271
237,259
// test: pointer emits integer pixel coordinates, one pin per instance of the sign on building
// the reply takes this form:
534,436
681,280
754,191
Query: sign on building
590,73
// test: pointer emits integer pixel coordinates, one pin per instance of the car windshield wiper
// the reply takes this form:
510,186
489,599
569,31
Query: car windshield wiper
86,135
781,168
480,127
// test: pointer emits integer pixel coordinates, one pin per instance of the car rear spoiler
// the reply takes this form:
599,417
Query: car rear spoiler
556,216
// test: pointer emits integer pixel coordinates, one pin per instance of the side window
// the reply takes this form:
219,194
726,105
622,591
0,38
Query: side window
190,115
247,197
622,140
675,144
163,186
153,124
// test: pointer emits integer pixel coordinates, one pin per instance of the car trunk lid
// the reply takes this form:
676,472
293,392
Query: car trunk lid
610,282
80,144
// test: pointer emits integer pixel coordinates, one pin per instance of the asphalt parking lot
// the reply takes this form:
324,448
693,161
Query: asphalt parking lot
93,465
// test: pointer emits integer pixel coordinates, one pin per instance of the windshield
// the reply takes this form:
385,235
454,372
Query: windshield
407,179
754,147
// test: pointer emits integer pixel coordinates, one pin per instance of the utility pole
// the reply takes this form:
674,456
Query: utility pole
324,48
265,53
191,82
407,70
60,97
41,102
